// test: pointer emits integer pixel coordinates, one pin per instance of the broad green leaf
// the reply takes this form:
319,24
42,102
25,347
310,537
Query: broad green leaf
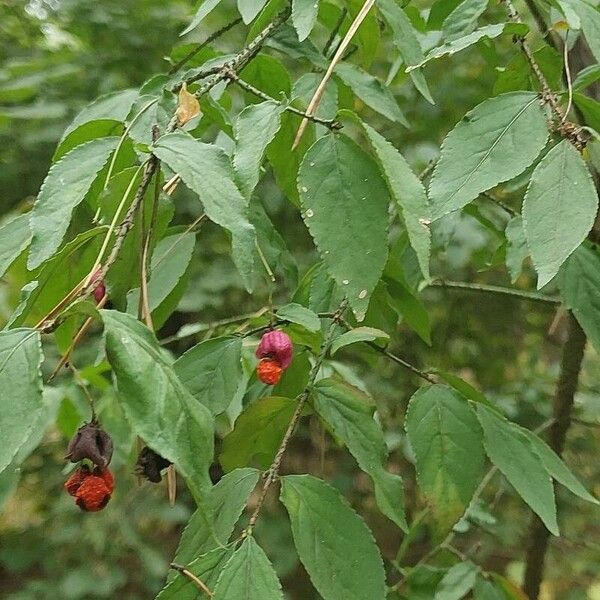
203,10
296,313
63,189
455,584
156,403
486,590
349,414
516,247
14,238
590,23
207,567
456,45
249,9
410,308
556,468
558,210
407,42
510,450
257,433
579,284
494,142
359,334
447,441
334,544
20,388
207,171
304,16
408,192
248,575
212,371
586,77
371,91
255,127
350,233
463,19
170,261
227,500
461,386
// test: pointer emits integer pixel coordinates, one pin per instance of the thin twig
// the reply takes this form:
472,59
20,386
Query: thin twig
195,580
273,472
495,289
335,31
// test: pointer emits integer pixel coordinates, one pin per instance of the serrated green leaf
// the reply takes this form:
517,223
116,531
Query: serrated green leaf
334,544
156,403
63,189
579,284
212,371
207,171
14,238
248,575
257,433
589,22
510,450
20,389
227,500
447,441
494,142
358,334
350,416
407,42
304,16
371,91
558,210
255,128
457,582
296,313
516,247
207,567
463,19
458,44
205,8
408,192
350,233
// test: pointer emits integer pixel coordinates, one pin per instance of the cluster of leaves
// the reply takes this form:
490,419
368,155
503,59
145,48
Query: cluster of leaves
117,175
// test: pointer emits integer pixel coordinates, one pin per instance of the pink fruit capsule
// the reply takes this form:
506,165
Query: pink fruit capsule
276,345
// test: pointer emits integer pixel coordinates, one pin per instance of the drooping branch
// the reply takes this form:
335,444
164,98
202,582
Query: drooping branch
495,289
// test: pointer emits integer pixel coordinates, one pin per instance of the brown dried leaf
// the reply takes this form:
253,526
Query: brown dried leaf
188,106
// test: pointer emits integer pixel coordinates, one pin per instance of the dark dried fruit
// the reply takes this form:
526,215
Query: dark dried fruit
149,464
91,442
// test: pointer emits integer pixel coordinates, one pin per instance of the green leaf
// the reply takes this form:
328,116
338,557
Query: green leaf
207,171
296,313
407,42
249,575
350,233
170,261
463,19
227,499
556,468
334,544
359,334
586,77
447,441
207,567
457,582
255,127
486,590
590,23
456,45
558,210
156,403
494,142
510,450
20,388
63,189
349,414
579,285
304,16
249,9
257,433
516,247
410,308
205,8
409,194
14,238
212,371
371,91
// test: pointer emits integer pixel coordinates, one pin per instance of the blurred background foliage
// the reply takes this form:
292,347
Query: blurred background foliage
57,55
